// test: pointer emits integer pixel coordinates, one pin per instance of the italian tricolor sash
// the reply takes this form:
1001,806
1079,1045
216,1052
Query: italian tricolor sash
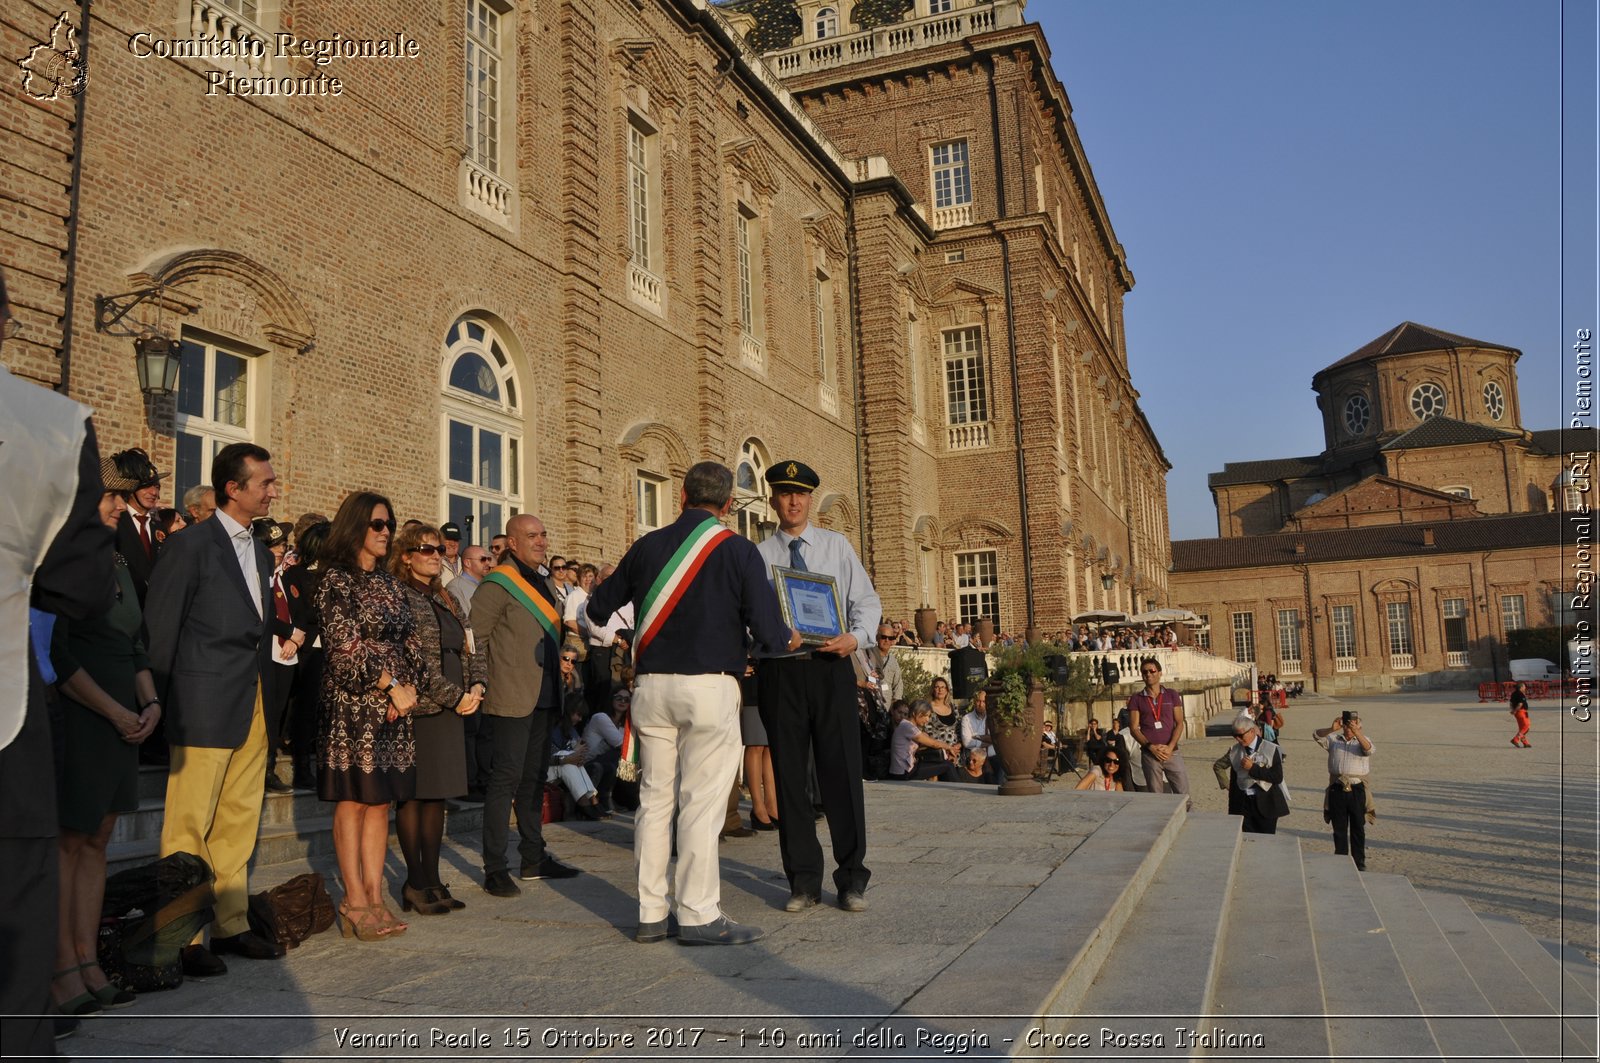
512,582
674,580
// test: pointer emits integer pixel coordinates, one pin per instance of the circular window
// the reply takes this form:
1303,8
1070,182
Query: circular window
1357,414
1494,400
1427,400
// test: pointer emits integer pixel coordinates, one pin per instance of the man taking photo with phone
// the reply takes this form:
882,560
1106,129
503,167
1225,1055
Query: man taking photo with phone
1348,804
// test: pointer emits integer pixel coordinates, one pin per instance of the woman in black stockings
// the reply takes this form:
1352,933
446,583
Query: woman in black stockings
452,688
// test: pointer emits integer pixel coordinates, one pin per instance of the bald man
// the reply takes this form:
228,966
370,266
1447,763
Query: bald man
516,622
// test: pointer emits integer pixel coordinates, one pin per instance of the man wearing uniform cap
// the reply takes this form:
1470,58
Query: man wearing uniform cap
450,532
808,704
696,587
138,541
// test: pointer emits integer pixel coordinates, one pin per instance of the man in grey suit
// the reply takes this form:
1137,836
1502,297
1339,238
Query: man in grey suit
207,612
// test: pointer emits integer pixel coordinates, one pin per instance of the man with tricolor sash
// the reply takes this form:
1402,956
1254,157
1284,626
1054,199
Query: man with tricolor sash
697,589
515,621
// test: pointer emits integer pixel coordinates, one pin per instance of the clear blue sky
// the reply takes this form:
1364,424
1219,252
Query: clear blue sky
1290,180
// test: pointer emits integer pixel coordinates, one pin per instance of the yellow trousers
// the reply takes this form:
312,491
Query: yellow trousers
213,810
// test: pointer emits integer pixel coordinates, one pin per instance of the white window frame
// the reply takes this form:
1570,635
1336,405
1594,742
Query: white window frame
1342,621
213,434
649,494
751,508
964,372
1428,394
502,417
950,170
1244,637
1513,612
1494,400
745,254
977,574
1202,634
487,24
826,23
1400,635
1451,609
641,220
1289,642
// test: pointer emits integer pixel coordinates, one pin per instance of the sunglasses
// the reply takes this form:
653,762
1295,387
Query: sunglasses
382,525
1111,763
569,660
426,549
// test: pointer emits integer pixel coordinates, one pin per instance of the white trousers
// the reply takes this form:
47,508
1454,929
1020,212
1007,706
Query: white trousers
688,730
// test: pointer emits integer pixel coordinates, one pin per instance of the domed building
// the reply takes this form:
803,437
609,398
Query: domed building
1430,525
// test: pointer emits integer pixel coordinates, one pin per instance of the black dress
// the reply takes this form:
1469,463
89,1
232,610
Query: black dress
440,731
367,629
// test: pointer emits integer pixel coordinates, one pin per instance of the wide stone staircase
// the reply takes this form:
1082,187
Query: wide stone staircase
1149,933
1192,940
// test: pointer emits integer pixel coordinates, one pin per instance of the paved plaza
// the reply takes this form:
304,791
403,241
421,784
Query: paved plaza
964,881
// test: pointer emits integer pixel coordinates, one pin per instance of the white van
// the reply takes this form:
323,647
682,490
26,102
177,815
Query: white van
1533,668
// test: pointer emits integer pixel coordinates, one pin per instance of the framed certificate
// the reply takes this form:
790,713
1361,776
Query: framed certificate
810,604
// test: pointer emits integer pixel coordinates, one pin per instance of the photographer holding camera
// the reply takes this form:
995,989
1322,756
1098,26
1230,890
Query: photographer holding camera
1348,802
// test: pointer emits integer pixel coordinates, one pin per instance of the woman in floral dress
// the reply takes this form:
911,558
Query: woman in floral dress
372,663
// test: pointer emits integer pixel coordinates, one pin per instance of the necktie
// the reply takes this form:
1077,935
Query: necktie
795,560
144,532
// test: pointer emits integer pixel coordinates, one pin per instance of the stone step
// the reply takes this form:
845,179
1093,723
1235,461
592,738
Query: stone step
1369,1003
1533,1023
1085,902
1175,930
1268,960
306,838
277,810
1575,963
1461,1019
1569,995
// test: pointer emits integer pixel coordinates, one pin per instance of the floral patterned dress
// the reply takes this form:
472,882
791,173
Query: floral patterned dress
367,629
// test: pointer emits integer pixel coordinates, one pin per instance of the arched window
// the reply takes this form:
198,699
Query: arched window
751,510
481,431
827,23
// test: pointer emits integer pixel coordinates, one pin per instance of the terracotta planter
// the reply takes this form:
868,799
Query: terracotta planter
1018,747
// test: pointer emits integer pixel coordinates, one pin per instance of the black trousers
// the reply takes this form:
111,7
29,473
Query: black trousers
808,706
277,684
516,783
597,678
1348,813
478,734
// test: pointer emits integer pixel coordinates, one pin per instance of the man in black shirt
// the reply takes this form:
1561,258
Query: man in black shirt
696,588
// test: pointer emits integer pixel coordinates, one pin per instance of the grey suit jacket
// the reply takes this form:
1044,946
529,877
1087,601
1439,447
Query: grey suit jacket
515,646
207,641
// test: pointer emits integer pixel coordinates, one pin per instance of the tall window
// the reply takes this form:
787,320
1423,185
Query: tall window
482,446
1244,637
1289,640
639,243
827,23
1399,618
952,177
747,283
1513,612
939,7
648,490
752,514
1454,611
1202,634
914,360
966,398
484,25
213,408
1344,631
824,297
978,586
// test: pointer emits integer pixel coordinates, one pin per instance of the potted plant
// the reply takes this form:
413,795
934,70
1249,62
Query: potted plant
1016,690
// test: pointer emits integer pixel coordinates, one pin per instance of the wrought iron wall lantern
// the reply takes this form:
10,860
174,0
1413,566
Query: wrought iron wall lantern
156,356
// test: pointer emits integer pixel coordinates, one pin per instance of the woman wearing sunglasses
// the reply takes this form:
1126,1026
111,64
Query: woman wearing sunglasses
372,663
1106,775
450,688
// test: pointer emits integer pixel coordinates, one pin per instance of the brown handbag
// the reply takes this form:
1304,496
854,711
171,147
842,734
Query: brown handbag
291,912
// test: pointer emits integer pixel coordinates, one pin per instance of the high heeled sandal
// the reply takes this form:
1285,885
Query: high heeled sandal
81,1006
423,902
396,926
363,924
109,995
